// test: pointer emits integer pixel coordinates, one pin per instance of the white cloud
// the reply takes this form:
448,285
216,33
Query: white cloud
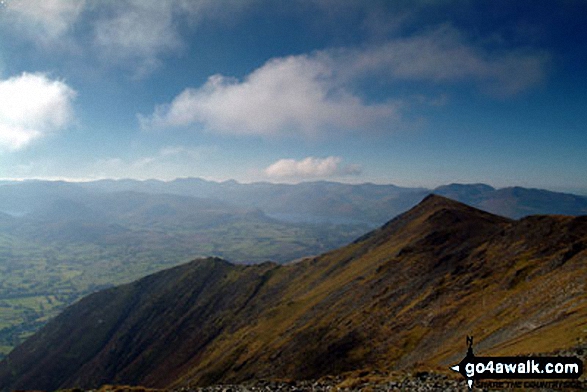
291,95
31,106
311,167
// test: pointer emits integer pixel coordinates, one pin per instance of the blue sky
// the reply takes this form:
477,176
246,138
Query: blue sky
414,93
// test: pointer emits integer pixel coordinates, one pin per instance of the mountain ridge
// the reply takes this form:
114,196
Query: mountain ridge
401,296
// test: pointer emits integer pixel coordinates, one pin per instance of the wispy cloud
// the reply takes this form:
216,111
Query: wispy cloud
444,55
140,33
44,21
135,34
311,167
168,163
32,106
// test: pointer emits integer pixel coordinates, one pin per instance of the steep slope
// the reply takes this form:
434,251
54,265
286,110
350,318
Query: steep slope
403,295
126,332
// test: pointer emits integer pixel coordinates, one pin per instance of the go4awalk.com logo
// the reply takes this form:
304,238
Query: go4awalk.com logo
517,368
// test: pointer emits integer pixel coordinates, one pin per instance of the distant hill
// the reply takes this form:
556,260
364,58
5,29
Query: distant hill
316,202
401,296
515,202
20,198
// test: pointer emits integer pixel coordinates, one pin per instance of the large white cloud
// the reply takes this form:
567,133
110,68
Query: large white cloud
296,94
307,94
310,167
31,106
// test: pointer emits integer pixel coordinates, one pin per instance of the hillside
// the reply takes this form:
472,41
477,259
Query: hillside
401,296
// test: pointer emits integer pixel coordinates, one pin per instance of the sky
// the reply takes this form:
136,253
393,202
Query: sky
411,93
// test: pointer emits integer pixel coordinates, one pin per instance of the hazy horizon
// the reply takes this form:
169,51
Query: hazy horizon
577,191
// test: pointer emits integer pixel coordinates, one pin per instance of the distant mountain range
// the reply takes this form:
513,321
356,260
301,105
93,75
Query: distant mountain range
402,296
515,202
316,202
360,203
